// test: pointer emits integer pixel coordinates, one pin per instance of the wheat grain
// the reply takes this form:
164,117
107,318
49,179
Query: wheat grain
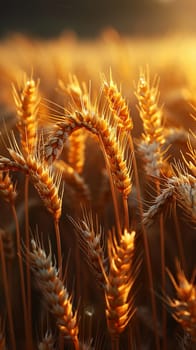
27,103
7,189
46,185
47,342
76,151
161,203
8,244
191,164
55,142
114,148
183,307
53,291
185,188
118,290
151,114
89,236
117,105
78,93
73,179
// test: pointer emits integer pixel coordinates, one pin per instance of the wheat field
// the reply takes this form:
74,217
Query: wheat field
97,193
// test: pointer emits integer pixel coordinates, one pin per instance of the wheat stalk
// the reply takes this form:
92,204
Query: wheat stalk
7,296
8,191
2,336
46,185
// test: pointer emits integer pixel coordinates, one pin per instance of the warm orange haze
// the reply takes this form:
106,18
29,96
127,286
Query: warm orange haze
98,192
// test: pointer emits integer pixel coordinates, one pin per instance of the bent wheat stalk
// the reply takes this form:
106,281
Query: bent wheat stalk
114,150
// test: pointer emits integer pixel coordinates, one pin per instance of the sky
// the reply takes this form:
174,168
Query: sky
89,17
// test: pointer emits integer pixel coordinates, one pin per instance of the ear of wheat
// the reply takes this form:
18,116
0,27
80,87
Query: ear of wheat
73,179
185,188
184,305
7,189
117,105
27,103
89,237
118,293
54,293
151,114
47,342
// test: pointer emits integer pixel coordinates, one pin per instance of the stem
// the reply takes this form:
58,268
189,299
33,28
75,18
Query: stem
7,296
126,213
179,239
115,343
22,284
76,343
61,342
163,278
58,243
27,243
163,282
146,245
113,192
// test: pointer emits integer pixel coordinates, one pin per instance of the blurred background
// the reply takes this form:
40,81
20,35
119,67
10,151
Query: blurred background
46,18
